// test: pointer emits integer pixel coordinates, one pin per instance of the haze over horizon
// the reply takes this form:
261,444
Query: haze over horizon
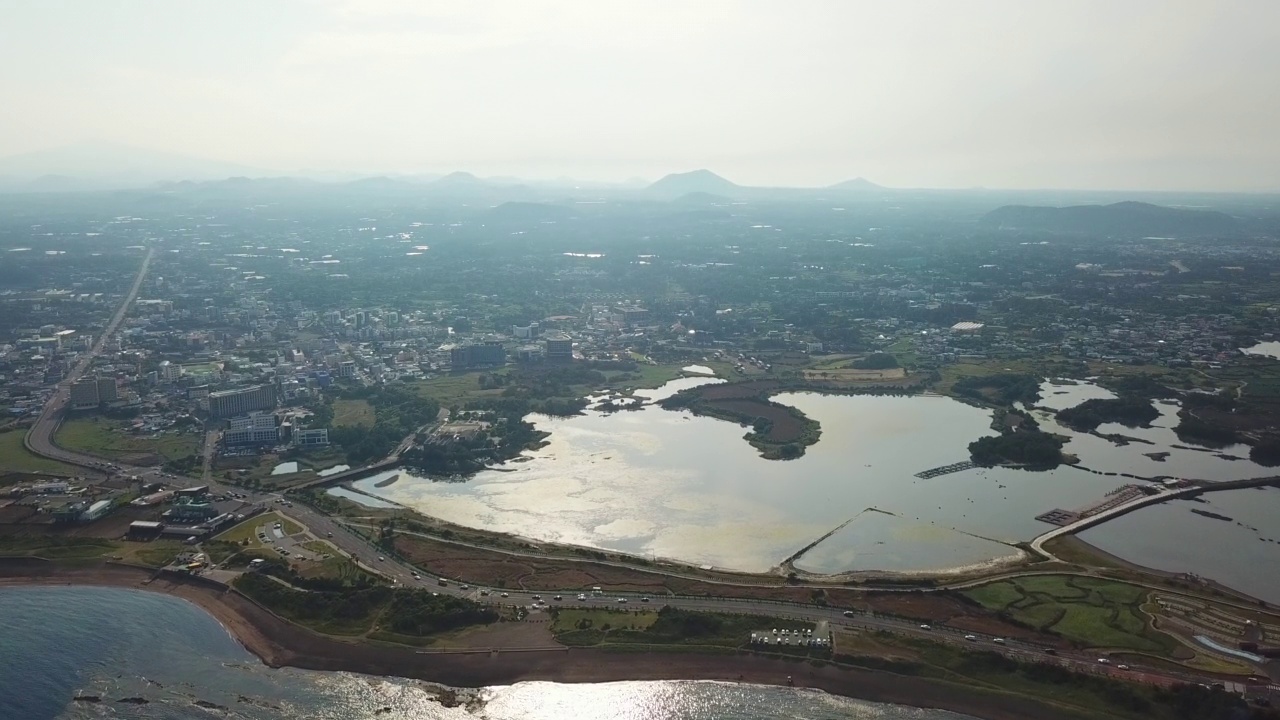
1143,95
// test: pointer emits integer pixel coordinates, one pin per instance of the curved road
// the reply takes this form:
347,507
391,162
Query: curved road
39,439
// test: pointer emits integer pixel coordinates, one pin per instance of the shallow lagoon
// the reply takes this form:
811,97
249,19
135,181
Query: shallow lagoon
1242,552
659,483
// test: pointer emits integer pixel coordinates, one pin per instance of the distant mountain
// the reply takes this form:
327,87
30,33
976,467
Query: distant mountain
858,183
112,165
697,181
459,178
1122,218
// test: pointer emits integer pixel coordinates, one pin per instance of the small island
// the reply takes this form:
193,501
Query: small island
1031,448
1128,411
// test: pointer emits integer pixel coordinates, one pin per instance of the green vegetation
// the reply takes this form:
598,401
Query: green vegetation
158,553
1266,451
1194,430
412,613
347,412
1128,411
15,456
1087,612
219,551
668,626
876,361
1091,696
56,547
400,412
100,436
1001,388
247,531
1025,447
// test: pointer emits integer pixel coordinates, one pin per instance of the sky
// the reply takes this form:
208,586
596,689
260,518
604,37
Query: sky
1121,94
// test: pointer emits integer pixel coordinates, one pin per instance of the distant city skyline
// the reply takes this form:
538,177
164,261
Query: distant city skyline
1142,95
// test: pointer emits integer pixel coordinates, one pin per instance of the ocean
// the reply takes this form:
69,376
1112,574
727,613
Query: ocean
133,654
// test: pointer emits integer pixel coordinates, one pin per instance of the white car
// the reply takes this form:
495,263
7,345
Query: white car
582,596
998,641
506,595
971,638
1103,661
926,627
1122,667
622,601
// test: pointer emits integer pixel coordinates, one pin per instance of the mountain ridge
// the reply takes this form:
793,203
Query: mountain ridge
1129,217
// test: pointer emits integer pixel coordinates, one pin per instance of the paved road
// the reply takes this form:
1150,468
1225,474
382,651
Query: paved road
39,439
776,611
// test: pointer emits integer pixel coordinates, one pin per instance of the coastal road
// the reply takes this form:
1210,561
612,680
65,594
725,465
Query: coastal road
770,611
39,439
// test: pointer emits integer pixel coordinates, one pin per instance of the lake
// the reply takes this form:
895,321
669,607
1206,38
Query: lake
1269,349
1241,553
117,644
661,483
669,484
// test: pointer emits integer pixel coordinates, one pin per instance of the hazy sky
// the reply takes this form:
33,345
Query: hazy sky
950,93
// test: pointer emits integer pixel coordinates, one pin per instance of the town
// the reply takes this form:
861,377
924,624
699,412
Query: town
240,386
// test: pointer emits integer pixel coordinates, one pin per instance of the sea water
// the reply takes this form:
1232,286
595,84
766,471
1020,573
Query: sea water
169,660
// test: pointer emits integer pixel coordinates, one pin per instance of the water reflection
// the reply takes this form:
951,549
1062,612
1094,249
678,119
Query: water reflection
1240,551
655,482
360,498
669,484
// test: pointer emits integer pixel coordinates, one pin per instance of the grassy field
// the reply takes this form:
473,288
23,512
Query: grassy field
258,467
106,438
569,619
15,457
53,547
1088,612
576,627
452,389
352,412
248,530
1087,696
158,553
651,376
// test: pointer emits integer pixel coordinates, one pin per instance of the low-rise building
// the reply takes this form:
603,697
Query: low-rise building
311,437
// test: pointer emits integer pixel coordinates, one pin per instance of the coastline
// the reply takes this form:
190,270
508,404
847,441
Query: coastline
280,643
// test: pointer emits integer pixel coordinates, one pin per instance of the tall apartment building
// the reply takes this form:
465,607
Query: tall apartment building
84,393
559,349
107,390
227,403
255,429
489,353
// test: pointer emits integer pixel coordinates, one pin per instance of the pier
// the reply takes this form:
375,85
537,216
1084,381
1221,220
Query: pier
946,469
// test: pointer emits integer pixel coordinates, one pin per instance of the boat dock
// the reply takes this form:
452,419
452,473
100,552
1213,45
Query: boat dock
946,469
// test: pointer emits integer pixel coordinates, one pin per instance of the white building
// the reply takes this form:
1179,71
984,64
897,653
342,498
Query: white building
312,437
